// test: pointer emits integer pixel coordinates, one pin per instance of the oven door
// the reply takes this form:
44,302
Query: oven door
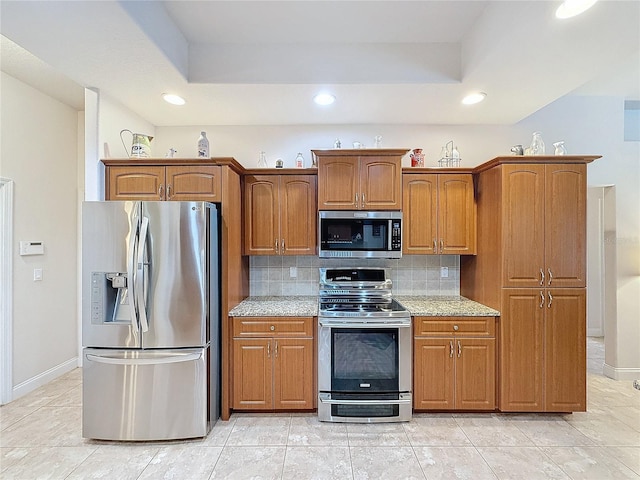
364,370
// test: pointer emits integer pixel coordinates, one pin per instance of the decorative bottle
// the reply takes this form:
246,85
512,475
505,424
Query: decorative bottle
203,146
537,145
299,160
262,160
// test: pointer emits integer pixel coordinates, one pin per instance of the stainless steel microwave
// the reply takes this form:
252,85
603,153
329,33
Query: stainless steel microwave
360,234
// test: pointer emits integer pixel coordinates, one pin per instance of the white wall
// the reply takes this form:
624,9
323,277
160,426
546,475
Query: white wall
39,152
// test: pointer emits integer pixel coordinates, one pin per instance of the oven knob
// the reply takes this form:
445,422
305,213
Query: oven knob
455,327
272,328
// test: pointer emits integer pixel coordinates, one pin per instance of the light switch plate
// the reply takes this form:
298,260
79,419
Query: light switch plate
37,274
444,272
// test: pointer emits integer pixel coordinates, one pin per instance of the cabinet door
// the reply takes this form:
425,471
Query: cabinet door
193,182
298,215
565,225
338,183
565,350
521,350
261,215
523,225
419,214
293,374
135,183
433,387
456,214
252,374
380,183
475,374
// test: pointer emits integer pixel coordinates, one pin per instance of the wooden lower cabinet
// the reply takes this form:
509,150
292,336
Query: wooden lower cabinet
453,369
275,371
542,359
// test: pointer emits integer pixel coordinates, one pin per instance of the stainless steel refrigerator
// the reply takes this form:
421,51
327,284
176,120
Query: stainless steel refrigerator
150,319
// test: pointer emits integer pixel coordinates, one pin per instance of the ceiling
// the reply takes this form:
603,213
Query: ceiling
260,62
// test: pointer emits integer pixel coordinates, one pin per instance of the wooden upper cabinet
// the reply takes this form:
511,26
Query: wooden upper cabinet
134,183
338,183
380,183
193,182
439,215
280,215
359,179
298,214
159,182
544,221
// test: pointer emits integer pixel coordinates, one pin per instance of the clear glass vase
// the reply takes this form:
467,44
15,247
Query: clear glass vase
537,145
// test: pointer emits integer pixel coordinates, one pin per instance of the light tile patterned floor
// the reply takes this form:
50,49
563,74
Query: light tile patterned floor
40,438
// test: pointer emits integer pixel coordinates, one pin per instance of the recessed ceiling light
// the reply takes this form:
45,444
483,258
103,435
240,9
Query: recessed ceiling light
173,99
473,98
324,99
571,8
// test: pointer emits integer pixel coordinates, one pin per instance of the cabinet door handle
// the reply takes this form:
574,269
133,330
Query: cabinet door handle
450,348
276,247
356,200
161,191
459,349
168,191
541,299
550,300
283,247
276,350
441,245
269,349
435,246
550,275
363,201
541,277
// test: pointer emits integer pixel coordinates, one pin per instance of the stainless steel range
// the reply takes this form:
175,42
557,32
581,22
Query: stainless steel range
364,348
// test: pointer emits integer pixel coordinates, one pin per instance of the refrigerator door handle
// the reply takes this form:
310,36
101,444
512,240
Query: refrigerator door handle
131,270
140,276
120,360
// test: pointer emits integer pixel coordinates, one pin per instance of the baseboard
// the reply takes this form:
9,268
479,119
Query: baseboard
45,377
621,373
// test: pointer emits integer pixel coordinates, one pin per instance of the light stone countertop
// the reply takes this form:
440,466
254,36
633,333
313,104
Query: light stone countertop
294,306
307,306
438,306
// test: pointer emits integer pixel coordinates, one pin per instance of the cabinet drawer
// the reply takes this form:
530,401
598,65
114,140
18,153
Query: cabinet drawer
454,326
273,327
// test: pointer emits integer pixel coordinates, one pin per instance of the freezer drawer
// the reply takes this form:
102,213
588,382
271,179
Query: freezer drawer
145,395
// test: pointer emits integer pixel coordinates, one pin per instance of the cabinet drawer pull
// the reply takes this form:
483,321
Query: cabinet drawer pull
455,327
541,299
272,328
450,348
541,277
550,275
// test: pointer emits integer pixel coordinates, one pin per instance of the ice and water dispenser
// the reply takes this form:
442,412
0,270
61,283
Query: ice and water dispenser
109,298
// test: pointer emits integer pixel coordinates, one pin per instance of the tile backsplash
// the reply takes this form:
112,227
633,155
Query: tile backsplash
298,275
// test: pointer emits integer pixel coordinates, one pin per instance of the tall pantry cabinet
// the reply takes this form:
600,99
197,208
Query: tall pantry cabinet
531,266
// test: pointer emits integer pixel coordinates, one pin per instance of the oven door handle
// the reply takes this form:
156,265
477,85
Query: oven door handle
365,402
373,324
